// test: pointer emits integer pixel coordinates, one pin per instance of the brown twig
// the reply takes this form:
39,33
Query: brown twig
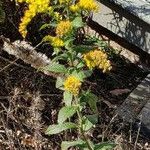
7,66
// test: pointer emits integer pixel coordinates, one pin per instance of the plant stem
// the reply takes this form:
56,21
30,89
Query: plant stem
81,131
87,141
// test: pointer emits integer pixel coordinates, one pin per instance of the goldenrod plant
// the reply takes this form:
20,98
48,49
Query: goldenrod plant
74,59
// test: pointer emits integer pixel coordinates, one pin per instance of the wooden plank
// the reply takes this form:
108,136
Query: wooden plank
136,103
144,119
124,24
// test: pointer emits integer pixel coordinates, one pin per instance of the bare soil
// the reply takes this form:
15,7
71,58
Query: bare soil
29,101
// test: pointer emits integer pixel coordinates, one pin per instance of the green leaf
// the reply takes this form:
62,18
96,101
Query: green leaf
87,124
65,145
81,75
66,112
88,73
77,22
101,43
68,43
56,67
47,25
93,40
80,65
91,99
92,118
83,48
56,50
104,146
68,98
59,83
63,56
55,129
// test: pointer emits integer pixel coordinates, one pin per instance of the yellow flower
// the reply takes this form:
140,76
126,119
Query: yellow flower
74,8
35,6
89,5
88,58
54,41
72,85
29,14
63,28
97,58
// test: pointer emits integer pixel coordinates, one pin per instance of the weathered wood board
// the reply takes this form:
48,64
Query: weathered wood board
129,19
144,119
136,108
139,8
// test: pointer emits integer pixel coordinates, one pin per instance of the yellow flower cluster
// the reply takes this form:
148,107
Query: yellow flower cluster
35,6
89,5
74,8
63,27
97,58
72,84
29,14
57,16
54,41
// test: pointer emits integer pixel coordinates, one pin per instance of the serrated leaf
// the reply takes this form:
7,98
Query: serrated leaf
67,98
66,112
105,146
55,129
56,67
67,144
77,22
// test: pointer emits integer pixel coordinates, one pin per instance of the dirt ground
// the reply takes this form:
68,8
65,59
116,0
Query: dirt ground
29,101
